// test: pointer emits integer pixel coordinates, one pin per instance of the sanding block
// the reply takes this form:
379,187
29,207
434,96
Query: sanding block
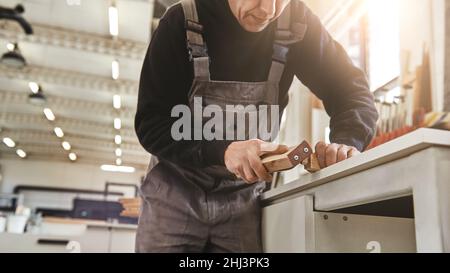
301,154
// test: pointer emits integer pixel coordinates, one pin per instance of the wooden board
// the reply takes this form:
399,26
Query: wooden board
132,207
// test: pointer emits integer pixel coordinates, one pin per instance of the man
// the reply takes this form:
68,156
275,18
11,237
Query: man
202,196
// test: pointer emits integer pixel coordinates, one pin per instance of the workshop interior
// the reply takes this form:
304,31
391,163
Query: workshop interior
71,164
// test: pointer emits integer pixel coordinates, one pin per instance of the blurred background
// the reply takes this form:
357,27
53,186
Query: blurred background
69,71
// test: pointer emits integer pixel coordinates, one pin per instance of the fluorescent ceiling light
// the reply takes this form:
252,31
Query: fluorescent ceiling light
121,169
72,156
115,70
118,152
49,114
118,162
34,87
9,142
117,101
59,132
66,145
117,123
21,153
118,139
113,21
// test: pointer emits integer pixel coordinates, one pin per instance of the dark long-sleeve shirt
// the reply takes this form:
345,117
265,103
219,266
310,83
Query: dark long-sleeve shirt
318,61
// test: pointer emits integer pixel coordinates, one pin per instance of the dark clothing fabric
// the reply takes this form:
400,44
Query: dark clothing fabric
237,55
179,217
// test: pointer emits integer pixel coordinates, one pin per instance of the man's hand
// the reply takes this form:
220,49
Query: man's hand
243,158
328,155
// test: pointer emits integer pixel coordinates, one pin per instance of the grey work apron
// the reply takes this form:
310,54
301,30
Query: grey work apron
208,210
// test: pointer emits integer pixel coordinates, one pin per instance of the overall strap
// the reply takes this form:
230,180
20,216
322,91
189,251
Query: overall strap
291,29
291,26
195,43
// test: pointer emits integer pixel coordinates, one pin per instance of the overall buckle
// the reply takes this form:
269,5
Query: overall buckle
280,53
196,51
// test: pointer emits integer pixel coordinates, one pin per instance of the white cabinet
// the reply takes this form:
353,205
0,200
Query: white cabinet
95,239
122,241
293,226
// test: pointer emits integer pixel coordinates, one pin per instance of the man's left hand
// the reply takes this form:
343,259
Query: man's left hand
330,154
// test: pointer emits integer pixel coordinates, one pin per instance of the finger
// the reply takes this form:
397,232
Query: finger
281,149
268,146
331,154
272,148
342,153
231,166
320,152
249,174
259,169
353,152
239,172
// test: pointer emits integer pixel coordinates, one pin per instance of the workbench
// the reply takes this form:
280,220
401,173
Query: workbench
72,236
314,213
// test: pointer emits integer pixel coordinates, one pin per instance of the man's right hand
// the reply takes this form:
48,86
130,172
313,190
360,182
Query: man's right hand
243,158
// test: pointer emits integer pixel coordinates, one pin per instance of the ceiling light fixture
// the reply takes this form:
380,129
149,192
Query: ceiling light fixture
118,139
14,58
117,123
58,132
117,102
21,153
113,20
37,98
118,162
10,46
34,87
15,14
49,114
115,69
121,169
118,152
66,146
73,157
9,142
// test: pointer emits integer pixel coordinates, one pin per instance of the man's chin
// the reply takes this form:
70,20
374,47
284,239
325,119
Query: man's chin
255,27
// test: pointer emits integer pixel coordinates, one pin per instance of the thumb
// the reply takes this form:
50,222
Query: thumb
272,148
